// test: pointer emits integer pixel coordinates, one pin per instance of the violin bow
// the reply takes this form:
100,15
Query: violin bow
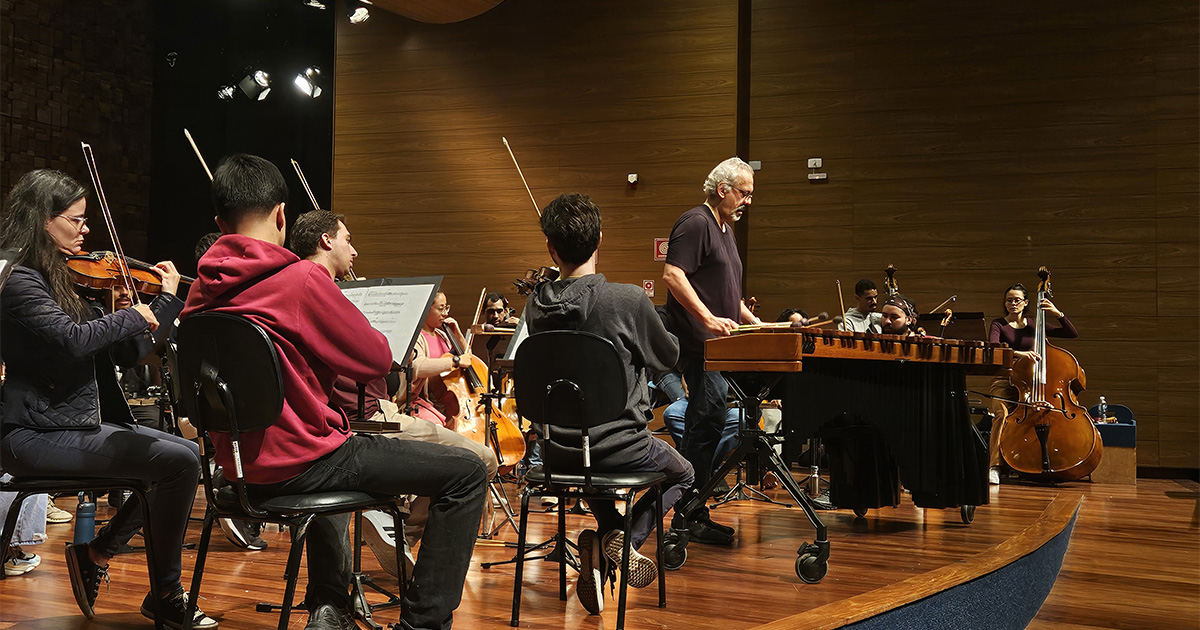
949,300
187,134
122,264
478,312
351,276
841,300
514,159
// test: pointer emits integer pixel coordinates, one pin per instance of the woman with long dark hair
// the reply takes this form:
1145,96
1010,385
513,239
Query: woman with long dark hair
64,413
1015,330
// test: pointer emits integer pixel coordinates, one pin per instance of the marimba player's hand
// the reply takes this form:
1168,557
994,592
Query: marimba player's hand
720,326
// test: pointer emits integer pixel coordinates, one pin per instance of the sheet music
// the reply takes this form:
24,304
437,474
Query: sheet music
395,308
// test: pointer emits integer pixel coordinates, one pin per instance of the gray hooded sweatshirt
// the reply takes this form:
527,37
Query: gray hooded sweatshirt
624,315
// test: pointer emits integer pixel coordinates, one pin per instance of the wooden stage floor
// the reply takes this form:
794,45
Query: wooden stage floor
1133,563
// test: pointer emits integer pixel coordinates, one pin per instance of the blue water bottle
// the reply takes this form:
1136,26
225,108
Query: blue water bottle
85,519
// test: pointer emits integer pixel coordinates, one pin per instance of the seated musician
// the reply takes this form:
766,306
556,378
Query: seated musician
432,357
496,312
319,335
1015,330
863,318
583,300
59,352
322,237
899,317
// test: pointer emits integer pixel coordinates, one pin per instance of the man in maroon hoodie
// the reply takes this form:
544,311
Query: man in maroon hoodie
319,334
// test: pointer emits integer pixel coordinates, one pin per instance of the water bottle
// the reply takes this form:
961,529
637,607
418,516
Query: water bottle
85,519
1103,410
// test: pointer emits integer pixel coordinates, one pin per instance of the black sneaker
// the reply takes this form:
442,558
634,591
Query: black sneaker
328,617
85,578
703,530
590,589
242,534
174,610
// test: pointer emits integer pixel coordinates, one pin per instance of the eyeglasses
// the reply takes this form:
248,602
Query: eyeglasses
80,222
444,310
1013,300
745,195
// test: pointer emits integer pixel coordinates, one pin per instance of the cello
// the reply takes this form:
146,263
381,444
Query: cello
468,384
1050,437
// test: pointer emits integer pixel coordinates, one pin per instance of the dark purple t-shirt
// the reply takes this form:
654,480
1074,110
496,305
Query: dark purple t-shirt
710,259
1022,338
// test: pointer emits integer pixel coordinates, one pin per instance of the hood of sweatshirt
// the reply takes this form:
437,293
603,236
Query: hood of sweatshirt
566,305
235,262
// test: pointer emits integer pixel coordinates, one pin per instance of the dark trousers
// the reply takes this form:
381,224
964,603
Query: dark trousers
454,479
704,420
169,463
660,458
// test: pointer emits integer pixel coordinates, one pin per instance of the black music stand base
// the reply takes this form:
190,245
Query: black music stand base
812,562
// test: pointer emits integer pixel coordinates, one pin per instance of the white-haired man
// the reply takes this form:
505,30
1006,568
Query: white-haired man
703,274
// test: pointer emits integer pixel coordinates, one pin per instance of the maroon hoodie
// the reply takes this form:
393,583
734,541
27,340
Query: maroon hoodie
318,333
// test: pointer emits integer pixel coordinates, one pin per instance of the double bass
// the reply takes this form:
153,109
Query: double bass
1050,437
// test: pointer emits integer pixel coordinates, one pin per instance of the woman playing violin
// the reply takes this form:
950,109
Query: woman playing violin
60,352
1015,330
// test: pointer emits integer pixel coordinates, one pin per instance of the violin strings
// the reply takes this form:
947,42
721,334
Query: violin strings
94,172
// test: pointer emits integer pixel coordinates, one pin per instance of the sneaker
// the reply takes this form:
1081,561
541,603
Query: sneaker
381,538
174,610
994,476
549,501
242,534
56,515
642,570
328,617
590,588
85,578
21,563
703,530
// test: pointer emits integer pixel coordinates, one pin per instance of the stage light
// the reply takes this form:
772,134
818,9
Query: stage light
306,82
357,12
316,4
256,85
225,93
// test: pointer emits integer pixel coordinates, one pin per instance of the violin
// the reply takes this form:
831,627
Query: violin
534,277
102,270
1051,436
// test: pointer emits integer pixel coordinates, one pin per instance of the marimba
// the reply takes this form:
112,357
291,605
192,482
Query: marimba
891,410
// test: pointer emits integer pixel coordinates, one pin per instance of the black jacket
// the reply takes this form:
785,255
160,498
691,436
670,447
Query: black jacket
59,373
624,315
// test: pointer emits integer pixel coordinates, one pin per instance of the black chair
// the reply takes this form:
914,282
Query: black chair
231,383
572,381
28,486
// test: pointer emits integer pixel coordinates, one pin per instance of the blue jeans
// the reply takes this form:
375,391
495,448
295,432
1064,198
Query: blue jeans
659,458
704,421
454,479
169,463
673,418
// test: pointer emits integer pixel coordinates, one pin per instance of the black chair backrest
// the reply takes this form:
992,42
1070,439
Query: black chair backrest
549,363
228,352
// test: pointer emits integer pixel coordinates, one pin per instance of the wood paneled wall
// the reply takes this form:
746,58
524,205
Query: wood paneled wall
967,145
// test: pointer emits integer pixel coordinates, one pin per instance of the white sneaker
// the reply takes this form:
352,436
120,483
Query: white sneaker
380,535
994,476
21,563
56,515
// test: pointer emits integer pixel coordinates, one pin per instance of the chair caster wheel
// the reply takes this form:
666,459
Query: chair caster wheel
674,549
968,513
810,569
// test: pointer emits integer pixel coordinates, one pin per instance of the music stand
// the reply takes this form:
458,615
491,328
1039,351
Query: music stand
964,325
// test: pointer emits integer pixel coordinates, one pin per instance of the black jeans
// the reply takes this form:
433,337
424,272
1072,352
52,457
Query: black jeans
169,463
660,458
704,420
454,479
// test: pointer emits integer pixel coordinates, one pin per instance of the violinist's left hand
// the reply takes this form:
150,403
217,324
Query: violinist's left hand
1049,307
170,276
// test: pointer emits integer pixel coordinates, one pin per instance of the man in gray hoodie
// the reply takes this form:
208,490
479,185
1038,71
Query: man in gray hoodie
583,300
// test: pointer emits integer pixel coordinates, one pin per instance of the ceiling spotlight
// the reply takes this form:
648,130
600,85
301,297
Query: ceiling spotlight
225,93
256,85
357,12
306,82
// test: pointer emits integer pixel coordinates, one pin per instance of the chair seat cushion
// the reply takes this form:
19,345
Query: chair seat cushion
320,502
39,485
604,480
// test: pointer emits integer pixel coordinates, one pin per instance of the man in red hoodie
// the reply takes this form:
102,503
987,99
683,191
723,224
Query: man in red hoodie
319,334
